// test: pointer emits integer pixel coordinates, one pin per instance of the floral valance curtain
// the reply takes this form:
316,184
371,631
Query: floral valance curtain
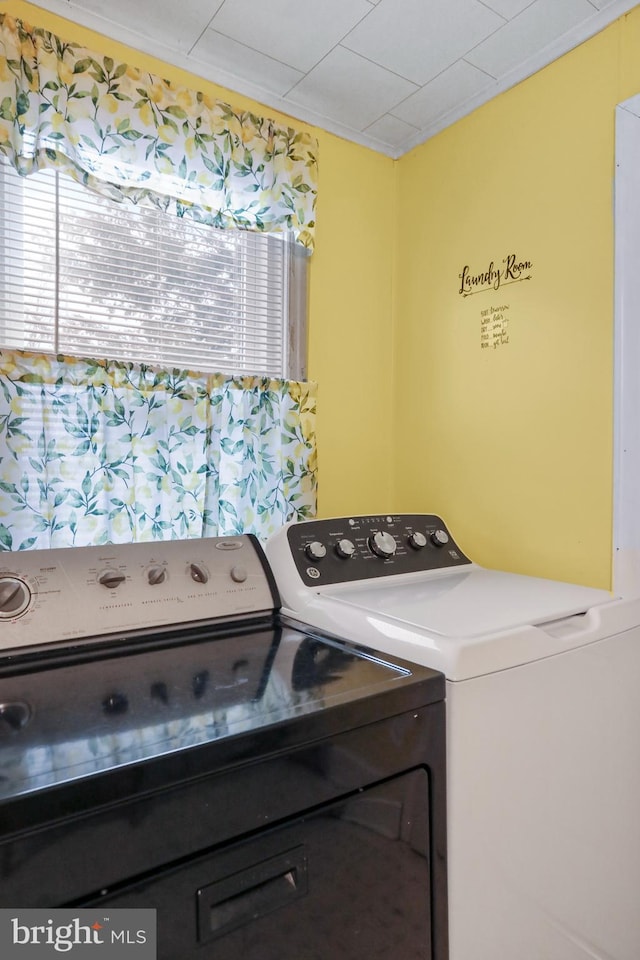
129,134
95,451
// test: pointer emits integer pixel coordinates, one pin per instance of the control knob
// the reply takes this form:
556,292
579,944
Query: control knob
238,573
200,683
115,704
383,544
345,548
156,575
440,538
199,573
417,540
315,550
15,597
160,691
111,579
14,715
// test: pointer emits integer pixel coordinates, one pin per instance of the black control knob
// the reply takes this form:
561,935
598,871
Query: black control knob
199,683
315,550
160,691
345,548
440,538
156,575
111,579
383,544
14,597
14,716
417,540
115,704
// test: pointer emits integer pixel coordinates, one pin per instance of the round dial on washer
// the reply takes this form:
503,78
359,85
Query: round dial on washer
111,579
15,597
315,550
383,544
345,548
440,538
417,540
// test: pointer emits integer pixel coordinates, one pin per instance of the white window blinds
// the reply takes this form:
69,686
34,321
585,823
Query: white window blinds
88,276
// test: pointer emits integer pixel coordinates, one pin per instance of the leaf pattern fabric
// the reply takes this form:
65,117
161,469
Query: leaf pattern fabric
96,451
131,135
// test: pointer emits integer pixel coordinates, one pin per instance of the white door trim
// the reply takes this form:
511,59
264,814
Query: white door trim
626,460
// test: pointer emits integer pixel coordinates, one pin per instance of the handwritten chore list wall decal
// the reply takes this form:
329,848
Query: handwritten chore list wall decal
494,318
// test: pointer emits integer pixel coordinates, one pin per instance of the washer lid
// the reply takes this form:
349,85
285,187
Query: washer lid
471,602
470,622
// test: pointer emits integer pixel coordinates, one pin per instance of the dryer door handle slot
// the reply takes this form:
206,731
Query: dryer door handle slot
252,893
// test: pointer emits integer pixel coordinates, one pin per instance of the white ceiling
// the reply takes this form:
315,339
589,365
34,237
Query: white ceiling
384,73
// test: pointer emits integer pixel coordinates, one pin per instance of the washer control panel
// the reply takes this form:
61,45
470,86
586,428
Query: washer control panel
48,596
345,549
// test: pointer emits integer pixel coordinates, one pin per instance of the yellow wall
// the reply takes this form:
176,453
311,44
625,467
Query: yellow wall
350,317
512,442
350,345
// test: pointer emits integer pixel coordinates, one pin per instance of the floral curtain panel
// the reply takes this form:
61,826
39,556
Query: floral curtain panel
134,136
93,451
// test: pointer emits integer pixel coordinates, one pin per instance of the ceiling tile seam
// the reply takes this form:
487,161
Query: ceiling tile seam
375,63
205,28
435,77
304,76
534,55
479,69
461,109
546,55
351,29
266,56
401,76
389,113
493,33
497,12
361,57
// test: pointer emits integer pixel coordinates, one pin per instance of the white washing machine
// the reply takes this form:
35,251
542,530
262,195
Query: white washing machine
543,726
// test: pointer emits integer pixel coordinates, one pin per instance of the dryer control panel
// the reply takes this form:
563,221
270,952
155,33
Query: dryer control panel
67,595
345,549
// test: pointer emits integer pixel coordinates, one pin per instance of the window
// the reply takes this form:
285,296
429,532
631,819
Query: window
88,276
